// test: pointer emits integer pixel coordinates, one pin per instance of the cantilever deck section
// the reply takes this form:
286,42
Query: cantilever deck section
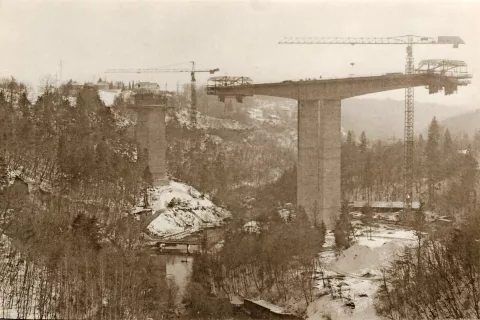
319,120
230,82
150,132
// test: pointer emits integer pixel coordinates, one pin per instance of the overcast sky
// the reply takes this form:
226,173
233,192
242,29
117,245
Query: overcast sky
241,38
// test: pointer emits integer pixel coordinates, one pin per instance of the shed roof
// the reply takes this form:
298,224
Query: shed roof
270,306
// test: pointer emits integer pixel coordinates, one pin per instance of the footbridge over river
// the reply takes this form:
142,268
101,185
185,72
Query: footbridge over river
319,124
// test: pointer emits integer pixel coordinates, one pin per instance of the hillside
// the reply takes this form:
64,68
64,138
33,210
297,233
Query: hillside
468,122
379,118
383,119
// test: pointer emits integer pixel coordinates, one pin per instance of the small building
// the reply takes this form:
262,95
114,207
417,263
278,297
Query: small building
143,213
261,309
237,304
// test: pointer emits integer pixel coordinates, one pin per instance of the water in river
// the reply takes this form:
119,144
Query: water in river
178,268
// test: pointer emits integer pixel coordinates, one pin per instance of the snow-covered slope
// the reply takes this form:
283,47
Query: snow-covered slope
207,122
181,208
360,267
108,97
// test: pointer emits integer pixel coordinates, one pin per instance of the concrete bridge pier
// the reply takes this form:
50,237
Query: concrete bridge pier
318,165
150,134
319,137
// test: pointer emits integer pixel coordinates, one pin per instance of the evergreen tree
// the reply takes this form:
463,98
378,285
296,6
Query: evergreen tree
350,138
348,160
5,124
419,163
461,194
476,143
448,155
432,155
24,105
448,149
465,142
343,228
3,100
367,211
12,88
421,140
363,143
25,125
368,178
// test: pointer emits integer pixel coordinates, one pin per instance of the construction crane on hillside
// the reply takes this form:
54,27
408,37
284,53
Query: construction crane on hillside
408,41
193,89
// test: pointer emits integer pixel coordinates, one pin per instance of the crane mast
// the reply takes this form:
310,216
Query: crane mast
408,131
193,95
408,40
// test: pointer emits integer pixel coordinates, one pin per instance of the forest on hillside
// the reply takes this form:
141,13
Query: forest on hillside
373,170
68,248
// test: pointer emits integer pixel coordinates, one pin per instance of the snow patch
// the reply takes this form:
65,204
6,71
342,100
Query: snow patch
181,208
287,213
358,258
356,273
207,122
251,227
108,97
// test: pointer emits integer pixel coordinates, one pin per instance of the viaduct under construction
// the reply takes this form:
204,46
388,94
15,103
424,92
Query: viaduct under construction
319,122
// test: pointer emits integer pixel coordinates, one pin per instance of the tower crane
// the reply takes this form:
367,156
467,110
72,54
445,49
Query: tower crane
193,90
408,41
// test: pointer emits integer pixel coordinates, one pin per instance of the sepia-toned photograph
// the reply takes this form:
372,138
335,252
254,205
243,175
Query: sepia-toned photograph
239,159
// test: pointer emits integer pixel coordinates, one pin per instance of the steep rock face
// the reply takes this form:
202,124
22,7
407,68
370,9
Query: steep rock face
182,208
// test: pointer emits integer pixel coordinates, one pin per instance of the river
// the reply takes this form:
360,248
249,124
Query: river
178,268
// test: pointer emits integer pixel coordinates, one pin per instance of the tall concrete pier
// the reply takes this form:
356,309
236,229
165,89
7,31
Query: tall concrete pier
318,165
150,133
319,131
